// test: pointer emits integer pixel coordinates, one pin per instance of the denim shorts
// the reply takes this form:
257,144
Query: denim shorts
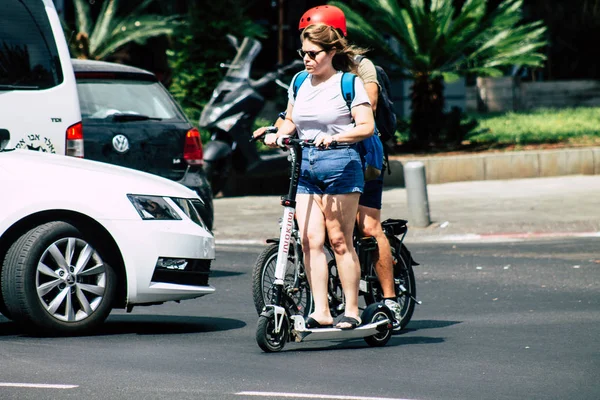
335,171
372,194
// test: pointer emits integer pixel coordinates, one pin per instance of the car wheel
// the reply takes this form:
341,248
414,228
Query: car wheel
3,309
54,281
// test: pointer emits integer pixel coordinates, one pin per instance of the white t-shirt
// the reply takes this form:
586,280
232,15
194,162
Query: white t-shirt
322,110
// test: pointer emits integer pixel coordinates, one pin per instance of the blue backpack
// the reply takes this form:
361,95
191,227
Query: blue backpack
370,149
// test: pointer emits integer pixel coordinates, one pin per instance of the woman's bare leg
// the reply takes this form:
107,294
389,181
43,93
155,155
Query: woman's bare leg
340,216
311,222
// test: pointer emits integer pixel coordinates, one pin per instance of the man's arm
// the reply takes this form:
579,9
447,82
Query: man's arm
368,74
373,93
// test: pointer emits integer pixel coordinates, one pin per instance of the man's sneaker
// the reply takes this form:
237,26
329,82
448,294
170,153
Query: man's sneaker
396,310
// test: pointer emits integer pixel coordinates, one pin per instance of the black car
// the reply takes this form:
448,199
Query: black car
130,119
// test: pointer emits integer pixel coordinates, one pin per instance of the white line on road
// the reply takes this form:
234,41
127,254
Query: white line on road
313,396
37,385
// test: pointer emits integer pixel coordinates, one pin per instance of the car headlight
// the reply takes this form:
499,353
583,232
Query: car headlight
153,207
190,208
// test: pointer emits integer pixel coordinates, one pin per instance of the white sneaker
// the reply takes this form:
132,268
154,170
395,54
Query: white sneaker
396,310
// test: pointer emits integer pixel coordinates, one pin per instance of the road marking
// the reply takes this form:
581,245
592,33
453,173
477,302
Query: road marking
503,237
37,385
314,396
468,237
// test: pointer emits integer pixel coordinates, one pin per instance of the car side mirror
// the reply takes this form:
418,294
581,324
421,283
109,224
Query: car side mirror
4,138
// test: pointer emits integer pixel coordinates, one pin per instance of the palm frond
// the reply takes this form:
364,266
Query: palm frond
102,26
83,19
137,30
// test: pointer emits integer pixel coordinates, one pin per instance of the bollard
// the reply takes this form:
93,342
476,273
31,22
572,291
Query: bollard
416,194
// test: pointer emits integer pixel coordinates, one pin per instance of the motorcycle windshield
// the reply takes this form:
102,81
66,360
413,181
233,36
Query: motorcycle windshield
247,52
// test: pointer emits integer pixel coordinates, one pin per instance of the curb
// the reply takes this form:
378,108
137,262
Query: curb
499,165
465,238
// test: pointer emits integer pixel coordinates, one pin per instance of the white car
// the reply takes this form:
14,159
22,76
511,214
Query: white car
78,238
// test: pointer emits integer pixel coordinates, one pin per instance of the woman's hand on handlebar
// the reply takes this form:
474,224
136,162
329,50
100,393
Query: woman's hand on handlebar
271,140
266,134
259,132
325,142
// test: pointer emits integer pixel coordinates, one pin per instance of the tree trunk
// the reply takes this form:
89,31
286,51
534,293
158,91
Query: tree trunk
427,112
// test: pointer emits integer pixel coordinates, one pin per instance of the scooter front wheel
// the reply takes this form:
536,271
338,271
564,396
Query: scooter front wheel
266,337
374,313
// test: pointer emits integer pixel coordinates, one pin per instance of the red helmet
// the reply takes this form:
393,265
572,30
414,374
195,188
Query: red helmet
328,15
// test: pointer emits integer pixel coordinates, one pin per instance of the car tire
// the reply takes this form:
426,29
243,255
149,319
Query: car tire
3,309
55,282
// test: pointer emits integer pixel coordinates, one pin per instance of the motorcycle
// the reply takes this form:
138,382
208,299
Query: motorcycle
229,117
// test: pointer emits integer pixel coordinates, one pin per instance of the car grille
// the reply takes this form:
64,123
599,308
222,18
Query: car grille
191,272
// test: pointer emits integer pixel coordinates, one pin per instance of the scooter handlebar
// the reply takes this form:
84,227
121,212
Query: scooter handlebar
268,129
287,141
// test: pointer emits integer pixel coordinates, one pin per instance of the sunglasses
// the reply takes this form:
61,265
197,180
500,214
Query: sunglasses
311,54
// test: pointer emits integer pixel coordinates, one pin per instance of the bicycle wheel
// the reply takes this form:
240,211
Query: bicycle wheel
404,282
404,278
295,281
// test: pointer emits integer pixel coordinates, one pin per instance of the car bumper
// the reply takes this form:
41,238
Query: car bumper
145,245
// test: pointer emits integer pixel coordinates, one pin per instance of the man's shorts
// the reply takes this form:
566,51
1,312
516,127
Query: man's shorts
335,171
372,194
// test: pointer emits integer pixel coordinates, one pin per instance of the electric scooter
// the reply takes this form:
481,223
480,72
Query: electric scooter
229,117
281,320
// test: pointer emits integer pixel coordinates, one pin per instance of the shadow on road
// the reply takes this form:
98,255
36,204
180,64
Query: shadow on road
221,274
396,340
143,325
428,324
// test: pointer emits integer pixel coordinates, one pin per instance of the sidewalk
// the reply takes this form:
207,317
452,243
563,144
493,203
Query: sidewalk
495,210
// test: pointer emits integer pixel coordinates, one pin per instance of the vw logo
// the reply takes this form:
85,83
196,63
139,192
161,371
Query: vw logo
120,143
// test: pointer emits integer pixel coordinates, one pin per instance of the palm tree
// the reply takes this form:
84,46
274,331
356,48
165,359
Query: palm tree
109,32
437,42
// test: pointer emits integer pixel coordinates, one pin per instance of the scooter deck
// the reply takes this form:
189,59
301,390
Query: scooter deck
302,334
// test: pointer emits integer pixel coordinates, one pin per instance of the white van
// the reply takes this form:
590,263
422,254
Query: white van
39,106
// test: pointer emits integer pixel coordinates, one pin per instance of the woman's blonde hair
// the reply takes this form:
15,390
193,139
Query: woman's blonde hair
330,38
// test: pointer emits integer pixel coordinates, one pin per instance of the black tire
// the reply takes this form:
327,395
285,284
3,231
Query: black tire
266,338
3,310
336,293
295,282
404,276
55,282
374,313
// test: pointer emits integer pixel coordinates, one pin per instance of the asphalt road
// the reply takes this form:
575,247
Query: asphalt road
499,321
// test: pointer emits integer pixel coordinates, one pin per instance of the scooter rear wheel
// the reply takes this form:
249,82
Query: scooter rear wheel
267,339
374,313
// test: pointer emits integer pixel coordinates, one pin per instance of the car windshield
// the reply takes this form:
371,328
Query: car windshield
100,98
